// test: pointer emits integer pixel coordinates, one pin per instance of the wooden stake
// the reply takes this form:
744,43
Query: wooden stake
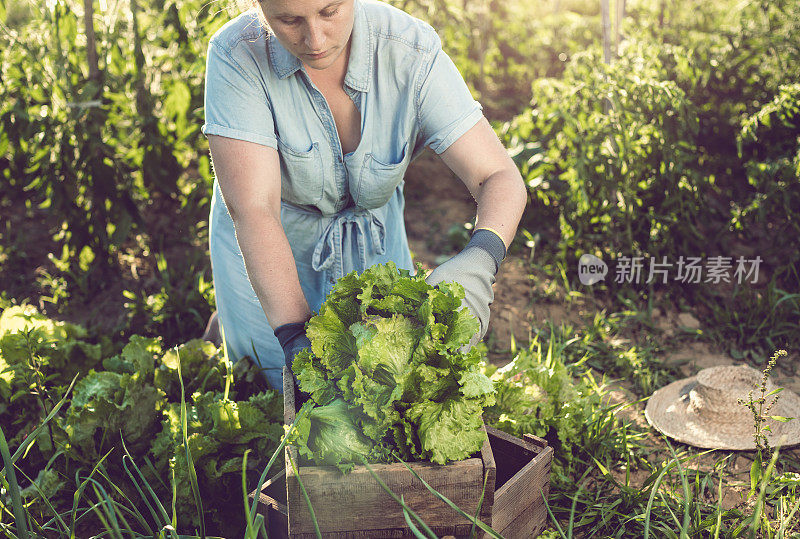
91,47
604,9
618,26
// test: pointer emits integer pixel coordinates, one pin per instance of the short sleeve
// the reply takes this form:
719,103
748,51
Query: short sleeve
235,105
445,107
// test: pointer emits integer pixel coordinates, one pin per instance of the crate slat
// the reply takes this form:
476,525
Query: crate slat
529,522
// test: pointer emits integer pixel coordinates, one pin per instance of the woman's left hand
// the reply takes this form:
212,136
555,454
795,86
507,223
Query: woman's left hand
474,268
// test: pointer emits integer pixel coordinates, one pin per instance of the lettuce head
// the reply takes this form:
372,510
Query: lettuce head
390,373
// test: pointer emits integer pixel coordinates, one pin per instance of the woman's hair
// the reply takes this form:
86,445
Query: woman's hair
236,7
257,5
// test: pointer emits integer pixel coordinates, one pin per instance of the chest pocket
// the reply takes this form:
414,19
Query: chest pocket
377,179
302,174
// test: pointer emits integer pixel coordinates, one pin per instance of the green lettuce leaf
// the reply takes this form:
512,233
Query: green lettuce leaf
450,430
332,437
106,405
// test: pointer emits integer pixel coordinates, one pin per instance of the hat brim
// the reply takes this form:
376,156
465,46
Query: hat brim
668,411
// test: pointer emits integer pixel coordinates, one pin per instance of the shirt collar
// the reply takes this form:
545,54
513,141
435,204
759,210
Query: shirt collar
359,66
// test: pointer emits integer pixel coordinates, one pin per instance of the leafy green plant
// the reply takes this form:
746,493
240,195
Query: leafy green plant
608,151
116,508
219,433
387,367
501,47
38,357
106,404
760,409
133,396
769,145
541,394
639,158
72,144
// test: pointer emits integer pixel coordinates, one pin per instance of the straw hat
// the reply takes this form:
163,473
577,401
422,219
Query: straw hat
703,410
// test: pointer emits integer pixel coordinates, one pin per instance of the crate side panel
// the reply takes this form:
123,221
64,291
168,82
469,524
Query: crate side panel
529,522
459,532
523,490
369,507
276,523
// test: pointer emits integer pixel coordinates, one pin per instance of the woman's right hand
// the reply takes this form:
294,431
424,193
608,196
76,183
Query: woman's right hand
293,339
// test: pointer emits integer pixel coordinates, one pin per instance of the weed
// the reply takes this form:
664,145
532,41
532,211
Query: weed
761,412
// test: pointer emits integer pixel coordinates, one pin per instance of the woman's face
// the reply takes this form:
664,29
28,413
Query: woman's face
315,31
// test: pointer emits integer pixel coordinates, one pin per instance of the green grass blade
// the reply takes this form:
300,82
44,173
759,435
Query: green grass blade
101,517
653,489
413,527
480,505
174,520
301,414
552,516
57,516
88,511
259,526
686,496
11,477
572,509
398,500
108,508
671,512
759,507
128,458
308,500
101,508
262,530
155,472
255,523
788,520
719,505
198,501
133,510
248,533
457,509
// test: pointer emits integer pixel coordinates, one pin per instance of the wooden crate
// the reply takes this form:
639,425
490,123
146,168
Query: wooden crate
355,506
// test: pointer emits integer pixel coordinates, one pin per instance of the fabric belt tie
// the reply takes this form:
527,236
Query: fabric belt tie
360,222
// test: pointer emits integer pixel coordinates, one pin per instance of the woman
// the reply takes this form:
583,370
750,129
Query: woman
314,109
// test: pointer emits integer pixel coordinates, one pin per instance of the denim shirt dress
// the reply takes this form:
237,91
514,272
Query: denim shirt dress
341,212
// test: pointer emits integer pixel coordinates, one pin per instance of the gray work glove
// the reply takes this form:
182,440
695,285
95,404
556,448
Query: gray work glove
293,338
474,268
